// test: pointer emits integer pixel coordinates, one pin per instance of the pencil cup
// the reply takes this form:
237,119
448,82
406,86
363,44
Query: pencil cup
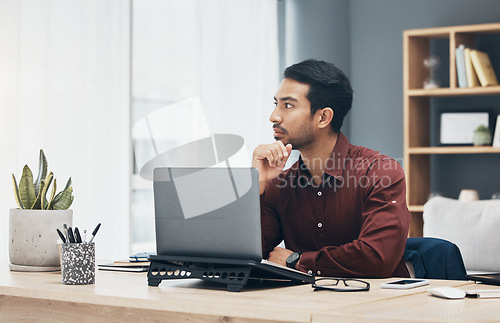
78,263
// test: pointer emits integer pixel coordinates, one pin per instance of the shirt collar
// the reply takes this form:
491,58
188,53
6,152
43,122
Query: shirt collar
335,164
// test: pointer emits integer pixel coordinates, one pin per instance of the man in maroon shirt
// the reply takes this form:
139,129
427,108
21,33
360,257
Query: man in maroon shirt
340,209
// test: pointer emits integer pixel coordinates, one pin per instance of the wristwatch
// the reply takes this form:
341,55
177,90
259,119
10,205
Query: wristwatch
293,259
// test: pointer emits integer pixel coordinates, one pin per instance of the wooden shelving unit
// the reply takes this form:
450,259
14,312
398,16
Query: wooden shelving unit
443,92
417,101
453,150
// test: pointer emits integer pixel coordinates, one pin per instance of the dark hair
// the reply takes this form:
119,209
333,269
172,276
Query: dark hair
328,87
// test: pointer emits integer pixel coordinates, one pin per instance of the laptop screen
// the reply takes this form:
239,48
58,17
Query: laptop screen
208,212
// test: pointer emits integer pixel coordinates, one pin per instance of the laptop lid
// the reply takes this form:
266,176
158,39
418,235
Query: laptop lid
208,212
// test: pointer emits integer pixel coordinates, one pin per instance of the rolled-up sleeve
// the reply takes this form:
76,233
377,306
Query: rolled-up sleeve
272,233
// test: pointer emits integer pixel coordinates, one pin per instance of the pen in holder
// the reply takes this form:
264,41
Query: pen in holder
78,263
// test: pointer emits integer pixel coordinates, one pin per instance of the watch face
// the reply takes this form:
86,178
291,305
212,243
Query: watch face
292,259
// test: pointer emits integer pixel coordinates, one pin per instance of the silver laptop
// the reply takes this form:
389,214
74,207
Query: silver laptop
211,213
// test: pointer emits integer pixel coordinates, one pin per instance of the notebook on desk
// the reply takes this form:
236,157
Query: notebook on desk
213,214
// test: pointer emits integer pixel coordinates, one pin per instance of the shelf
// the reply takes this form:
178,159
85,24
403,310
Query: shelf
454,150
490,90
446,31
416,208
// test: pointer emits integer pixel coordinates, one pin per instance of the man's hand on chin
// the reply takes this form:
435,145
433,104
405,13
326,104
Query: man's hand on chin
270,159
279,255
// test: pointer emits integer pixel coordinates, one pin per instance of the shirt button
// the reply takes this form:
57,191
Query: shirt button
320,225
319,273
309,183
310,272
319,193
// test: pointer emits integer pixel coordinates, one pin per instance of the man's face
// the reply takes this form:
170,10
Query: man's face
291,118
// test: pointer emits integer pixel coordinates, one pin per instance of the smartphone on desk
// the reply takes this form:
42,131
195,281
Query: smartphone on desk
405,283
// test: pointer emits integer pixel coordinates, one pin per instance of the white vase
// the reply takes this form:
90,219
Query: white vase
468,195
33,238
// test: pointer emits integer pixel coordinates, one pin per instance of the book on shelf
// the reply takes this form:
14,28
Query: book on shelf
482,65
460,62
472,80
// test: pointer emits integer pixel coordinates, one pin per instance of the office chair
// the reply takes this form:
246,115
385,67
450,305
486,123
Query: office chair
435,258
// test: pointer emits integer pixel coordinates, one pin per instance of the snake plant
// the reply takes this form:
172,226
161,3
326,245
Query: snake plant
33,194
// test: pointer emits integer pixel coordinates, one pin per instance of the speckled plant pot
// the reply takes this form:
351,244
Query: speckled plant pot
33,238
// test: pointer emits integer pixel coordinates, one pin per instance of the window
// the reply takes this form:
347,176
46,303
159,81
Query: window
198,68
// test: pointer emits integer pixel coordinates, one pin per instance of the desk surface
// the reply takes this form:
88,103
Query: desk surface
121,295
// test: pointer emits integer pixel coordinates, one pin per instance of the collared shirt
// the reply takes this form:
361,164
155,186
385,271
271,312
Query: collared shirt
354,224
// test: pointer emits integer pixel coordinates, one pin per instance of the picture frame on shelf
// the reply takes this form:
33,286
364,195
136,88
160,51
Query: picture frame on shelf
457,128
496,137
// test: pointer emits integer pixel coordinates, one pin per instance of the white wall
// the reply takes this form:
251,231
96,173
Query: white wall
315,29
64,87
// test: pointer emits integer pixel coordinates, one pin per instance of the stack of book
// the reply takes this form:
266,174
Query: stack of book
137,266
138,262
474,68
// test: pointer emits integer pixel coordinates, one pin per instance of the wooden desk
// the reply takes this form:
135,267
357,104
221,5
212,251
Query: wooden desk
119,296
420,307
